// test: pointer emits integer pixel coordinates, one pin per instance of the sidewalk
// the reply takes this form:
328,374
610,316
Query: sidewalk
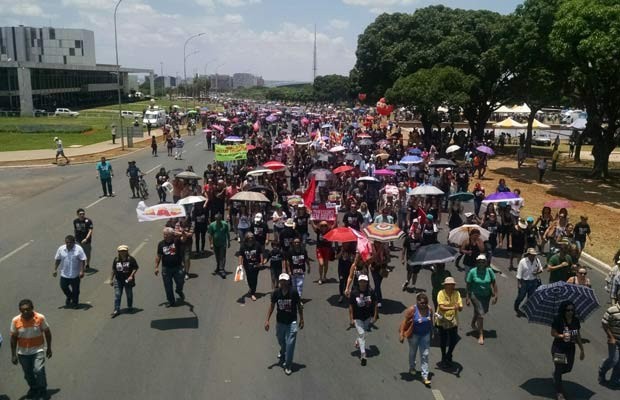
28,157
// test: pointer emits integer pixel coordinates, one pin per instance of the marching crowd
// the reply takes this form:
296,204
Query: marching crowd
378,180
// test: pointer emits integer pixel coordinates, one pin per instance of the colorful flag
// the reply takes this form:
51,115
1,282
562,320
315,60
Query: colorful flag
309,194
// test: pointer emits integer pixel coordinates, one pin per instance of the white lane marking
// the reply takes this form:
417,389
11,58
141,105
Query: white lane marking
20,248
152,169
95,202
140,246
437,394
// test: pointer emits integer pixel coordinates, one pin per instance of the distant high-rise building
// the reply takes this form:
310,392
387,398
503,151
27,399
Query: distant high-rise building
221,83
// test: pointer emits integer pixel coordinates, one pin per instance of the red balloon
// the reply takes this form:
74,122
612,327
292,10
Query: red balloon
361,96
382,100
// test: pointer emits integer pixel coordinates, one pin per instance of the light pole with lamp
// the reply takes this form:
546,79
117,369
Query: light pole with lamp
184,61
118,78
185,58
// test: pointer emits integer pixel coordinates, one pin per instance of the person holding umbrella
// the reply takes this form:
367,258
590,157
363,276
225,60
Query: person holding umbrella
471,249
481,288
449,305
565,331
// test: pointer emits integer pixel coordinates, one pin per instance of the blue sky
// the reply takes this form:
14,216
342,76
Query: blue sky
272,38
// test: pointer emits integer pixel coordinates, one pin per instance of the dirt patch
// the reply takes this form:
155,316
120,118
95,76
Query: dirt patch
600,201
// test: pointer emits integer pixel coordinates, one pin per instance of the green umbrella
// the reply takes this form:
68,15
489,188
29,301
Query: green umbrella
462,196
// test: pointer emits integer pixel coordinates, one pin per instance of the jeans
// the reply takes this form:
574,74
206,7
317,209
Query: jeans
423,343
287,335
71,288
118,293
251,276
561,369
612,361
527,289
178,151
170,274
34,371
361,326
298,282
133,185
106,186
477,206
162,194
445,336
377,279
220,257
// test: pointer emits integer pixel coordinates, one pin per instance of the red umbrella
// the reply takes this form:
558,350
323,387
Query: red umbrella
274,165
558,203
343,168
250,147
342,235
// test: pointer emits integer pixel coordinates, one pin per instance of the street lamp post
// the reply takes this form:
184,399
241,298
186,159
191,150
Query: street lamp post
184,60
184,66
118,78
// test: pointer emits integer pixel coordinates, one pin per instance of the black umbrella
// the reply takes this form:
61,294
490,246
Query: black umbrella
353,157
442,163
434,254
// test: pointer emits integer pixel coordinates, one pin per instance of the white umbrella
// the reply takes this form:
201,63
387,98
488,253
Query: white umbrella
260,171
453,148
367,179
191,200
187,175
336,149
426,190
460,234
250,196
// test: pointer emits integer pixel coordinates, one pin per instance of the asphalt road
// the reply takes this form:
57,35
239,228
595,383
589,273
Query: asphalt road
216,348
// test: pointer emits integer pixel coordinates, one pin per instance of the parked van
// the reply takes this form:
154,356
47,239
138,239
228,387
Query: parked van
155,117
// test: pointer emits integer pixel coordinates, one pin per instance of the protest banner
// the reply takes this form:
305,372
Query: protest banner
233,152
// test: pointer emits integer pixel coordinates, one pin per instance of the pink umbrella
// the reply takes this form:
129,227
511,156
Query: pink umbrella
274,165
206,130
558,203
305,121
218,127
384,172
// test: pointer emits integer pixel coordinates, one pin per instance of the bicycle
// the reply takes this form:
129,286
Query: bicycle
143,189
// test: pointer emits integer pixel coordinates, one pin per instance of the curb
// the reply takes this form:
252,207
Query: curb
595,262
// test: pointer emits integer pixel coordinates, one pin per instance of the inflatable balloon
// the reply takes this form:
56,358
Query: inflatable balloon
361,96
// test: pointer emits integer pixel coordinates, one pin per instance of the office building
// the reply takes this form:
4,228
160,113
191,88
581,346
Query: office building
221,83
46,68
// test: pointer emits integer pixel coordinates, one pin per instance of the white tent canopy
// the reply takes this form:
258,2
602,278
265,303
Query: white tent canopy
509,123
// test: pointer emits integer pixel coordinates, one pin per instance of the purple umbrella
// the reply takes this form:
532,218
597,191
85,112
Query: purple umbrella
233,139
498,197
271,118
485,150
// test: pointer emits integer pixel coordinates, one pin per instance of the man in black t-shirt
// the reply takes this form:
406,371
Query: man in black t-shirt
363,311
124,268
410,245
353,218
582,232
287,235
83,232
251,256
171,257
287,303
301,223
297,263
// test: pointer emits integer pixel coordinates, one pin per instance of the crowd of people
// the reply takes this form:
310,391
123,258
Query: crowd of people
369,171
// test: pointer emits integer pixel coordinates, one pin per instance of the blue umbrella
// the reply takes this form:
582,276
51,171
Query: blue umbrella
462,196
542,307
411,160
396,167
415,152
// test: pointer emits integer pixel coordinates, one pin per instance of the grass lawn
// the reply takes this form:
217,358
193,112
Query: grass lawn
30,133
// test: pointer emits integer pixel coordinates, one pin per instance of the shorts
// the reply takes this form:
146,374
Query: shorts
323,253
414,269
481,305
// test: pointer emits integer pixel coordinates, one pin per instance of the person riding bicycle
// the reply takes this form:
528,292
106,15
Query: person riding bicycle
133,172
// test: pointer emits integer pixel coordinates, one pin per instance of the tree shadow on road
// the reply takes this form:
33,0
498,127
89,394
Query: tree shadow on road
391,307
543,387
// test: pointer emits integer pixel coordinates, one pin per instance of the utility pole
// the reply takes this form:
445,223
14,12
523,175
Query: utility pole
314,58
118,78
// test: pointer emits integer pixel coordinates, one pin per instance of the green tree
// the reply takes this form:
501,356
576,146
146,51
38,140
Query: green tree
586,36
332,88
535,77
427,89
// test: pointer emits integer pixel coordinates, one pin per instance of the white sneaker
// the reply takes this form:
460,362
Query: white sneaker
378,305
287,371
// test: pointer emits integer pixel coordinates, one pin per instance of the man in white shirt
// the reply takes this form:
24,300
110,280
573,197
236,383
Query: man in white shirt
71,259
527,275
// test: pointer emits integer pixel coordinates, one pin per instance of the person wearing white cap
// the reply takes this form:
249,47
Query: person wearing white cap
287,303
124,268
363,312
528,277
481,288
260,229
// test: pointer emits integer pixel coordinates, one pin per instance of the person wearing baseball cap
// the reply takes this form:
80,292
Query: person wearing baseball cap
528,277
124,268
363,312
449,305
287,303
260,229
481,289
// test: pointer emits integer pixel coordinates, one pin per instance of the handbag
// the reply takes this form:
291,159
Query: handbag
239,273
560,358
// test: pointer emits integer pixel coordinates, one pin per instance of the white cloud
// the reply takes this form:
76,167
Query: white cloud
226,3
376,4
90,4
30,9
233,18
339,23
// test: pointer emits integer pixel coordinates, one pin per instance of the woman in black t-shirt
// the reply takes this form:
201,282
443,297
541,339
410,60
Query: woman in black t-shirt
124,268
251,257
565,330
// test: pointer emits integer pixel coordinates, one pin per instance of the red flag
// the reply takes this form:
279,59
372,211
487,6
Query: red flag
309,194
422,216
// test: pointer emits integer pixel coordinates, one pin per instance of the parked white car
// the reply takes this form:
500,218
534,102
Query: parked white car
65,112
130,114
542,139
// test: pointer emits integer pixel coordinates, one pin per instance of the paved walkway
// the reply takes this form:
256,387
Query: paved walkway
44,154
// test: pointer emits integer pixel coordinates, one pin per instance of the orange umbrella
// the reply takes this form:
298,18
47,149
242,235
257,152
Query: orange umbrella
342,168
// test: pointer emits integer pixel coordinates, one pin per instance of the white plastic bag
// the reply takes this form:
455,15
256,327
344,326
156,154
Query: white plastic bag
239,273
